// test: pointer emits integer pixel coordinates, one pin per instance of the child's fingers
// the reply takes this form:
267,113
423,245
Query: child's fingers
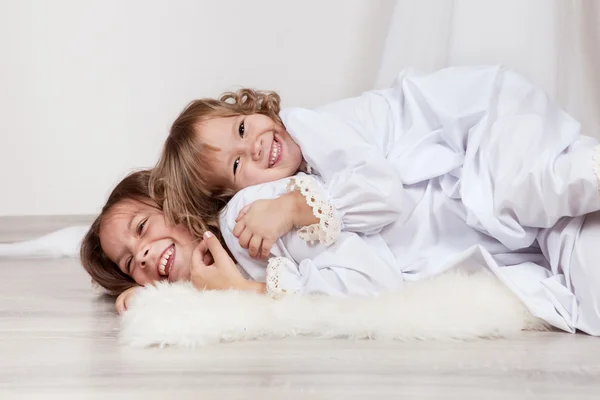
254,246
198,255
239,228
201,247
244,238
120,305
215,247
243,212
208,259
265,250
124,298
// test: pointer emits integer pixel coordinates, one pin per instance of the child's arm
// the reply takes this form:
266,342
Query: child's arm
351,265
261,223
124,299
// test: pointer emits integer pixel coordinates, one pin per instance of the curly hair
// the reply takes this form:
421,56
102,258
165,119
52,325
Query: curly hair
179,180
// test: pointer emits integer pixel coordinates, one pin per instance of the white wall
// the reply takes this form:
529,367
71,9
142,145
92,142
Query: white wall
515,33
554,43
88,88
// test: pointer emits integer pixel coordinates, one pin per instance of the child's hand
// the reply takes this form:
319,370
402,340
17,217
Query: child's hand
222,273
260,224
125,298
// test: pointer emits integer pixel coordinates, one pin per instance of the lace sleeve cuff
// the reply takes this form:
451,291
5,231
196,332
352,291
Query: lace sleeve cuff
328,229
277,286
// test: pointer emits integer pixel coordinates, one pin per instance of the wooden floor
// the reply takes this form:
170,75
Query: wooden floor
60,340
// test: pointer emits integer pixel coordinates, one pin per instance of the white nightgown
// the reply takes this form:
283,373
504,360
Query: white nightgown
468,165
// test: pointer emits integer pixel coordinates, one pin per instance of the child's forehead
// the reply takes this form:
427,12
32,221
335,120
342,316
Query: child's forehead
130,207
217,121
211,128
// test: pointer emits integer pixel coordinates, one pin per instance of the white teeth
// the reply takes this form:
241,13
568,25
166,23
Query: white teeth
275,149
163,262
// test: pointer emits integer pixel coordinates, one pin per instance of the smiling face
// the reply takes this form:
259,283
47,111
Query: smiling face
136,237
250,149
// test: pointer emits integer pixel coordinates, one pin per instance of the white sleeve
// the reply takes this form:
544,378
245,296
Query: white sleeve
350,266
361,184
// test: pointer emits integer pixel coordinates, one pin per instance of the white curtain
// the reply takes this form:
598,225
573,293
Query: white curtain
554,43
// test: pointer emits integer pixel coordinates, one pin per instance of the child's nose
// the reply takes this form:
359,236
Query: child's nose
143,255
257,150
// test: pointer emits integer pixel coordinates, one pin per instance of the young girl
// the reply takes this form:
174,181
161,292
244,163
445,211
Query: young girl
478,167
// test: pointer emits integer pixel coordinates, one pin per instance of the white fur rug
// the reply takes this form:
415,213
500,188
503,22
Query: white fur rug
456,305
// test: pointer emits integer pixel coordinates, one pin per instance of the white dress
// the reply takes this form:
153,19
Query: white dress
468,166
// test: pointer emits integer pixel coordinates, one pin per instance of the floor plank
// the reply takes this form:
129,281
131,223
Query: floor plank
14,228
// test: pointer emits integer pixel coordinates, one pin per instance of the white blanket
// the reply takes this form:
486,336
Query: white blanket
61,243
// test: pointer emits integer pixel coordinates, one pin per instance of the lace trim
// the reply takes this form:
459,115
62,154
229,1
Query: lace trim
328,229
274,267
596,160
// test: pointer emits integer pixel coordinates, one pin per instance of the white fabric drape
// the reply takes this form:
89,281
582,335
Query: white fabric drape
554,43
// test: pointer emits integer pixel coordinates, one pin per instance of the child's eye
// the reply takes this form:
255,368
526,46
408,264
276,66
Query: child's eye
128,267
236,164
242,129
141,226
